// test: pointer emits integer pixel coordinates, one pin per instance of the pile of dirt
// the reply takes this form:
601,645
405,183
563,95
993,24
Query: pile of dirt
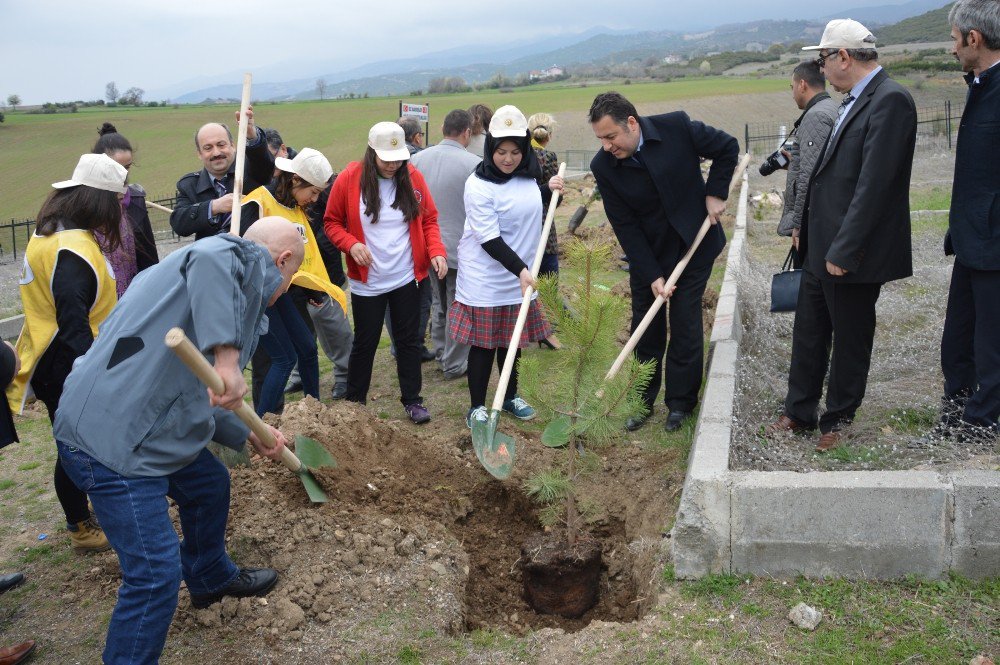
415,533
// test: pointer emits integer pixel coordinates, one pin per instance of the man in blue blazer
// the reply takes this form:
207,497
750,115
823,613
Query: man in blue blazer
970,345
855,234
649,176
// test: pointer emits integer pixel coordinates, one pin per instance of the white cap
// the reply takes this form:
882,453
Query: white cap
97,171
844,33
508,121
388,141
309,164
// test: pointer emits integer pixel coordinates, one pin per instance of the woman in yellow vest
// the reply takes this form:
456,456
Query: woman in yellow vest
289,340
67,290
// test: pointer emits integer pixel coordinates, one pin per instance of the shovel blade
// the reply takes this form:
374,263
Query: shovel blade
312,486
312,453
495,450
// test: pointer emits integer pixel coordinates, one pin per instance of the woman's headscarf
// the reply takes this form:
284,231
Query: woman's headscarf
528,168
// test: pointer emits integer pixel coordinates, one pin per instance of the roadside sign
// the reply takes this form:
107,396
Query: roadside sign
419,111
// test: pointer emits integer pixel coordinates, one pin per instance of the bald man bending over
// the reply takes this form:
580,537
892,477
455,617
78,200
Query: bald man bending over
204,202
133,424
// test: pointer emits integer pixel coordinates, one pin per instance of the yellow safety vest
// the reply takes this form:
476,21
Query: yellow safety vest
40,327
312,273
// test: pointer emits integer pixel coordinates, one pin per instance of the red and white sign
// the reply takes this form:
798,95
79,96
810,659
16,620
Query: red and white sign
419,111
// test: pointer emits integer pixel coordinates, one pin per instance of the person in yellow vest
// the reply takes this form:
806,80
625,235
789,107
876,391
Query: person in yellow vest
67,290
289,341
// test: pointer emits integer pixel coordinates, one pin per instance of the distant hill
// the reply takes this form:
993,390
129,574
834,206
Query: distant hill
930,27
879,15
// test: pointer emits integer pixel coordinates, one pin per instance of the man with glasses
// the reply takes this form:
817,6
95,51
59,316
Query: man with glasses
413,133
855,234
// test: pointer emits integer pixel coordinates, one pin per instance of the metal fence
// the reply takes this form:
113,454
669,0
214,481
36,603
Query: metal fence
14,235
936,126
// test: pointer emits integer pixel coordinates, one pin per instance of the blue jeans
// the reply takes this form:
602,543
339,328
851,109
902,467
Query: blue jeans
133,514
288,340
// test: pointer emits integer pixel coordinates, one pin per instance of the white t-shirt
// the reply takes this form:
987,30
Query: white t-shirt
512,211
389,243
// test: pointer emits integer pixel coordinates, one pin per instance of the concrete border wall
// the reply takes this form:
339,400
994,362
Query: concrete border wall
862,524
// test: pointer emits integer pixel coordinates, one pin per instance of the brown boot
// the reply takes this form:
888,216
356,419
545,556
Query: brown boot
89,537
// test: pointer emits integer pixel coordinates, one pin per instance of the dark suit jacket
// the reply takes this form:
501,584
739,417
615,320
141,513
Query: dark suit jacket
672,147
974,223
858,213
195,191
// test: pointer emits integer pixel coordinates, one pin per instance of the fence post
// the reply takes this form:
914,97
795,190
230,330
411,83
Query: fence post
746,137
947,115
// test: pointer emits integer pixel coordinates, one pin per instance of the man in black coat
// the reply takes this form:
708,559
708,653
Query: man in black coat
204,203
855,234
970,345
649,176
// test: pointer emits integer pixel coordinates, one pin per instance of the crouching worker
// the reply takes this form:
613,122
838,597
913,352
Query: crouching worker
133,424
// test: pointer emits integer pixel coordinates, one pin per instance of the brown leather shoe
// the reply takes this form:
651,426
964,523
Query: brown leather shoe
784,424
17,653
828,442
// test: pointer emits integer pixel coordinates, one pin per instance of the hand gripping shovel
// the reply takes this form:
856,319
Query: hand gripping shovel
312,452
496,450
671,282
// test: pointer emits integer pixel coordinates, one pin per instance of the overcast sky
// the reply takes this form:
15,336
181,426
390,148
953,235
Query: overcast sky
55,50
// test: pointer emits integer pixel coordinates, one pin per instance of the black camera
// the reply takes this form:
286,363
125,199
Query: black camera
776,160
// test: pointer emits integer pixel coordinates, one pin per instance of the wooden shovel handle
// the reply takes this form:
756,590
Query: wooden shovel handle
522,313
179,343
241,156
150,204
671,282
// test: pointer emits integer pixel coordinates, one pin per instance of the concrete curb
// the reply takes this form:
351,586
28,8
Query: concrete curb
10,327
862,524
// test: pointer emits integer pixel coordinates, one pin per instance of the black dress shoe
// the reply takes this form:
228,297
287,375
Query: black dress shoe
426,355
339,390
675,420
293,386
635,422
8,582
250,582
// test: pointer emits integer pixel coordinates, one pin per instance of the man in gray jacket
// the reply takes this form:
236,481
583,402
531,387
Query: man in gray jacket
133,423
819,113
446,166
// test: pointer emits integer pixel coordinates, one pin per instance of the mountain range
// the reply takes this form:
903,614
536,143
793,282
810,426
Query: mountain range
596,46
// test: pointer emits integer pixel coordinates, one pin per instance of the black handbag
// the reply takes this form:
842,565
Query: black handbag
785,285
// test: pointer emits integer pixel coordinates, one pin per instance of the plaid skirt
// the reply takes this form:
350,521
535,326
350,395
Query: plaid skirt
492,327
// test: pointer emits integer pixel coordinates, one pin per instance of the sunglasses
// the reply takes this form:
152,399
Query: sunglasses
821,60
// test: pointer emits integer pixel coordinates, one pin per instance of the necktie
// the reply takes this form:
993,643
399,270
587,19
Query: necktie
223,219
848,98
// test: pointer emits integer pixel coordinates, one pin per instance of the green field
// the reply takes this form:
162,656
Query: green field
40,149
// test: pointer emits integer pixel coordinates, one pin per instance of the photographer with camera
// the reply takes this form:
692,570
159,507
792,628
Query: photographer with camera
819,113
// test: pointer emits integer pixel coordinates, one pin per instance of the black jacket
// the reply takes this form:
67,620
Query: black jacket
145,240
858,213
195,191
673,146
974,224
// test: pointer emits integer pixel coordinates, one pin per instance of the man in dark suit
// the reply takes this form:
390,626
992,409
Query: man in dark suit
855,234
649,176
204,203
970,345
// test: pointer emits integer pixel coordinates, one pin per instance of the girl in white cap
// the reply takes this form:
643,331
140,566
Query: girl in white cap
381,215
67,290
289,341
503,225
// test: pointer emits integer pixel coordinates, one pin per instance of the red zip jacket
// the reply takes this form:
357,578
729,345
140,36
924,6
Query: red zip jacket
342,222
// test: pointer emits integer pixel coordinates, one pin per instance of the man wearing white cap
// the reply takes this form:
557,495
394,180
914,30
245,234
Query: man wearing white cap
855,234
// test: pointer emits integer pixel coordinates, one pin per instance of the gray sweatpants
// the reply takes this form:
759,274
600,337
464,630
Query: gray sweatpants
453,356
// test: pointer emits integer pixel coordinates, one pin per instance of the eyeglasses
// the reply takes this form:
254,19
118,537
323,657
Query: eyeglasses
821,60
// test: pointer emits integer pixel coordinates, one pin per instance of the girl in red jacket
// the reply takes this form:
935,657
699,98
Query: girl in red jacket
381,215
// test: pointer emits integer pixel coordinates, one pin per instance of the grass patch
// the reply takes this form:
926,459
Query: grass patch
725,588
28,466
6,484
409,655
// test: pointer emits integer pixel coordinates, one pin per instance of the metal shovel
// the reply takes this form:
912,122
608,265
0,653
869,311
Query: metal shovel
311,453
496,450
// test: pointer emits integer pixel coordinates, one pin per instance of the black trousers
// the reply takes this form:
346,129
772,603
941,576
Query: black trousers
403,305
685,362
72,499
970,344
480,368
828,316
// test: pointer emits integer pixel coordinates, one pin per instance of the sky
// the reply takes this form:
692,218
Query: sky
60,50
